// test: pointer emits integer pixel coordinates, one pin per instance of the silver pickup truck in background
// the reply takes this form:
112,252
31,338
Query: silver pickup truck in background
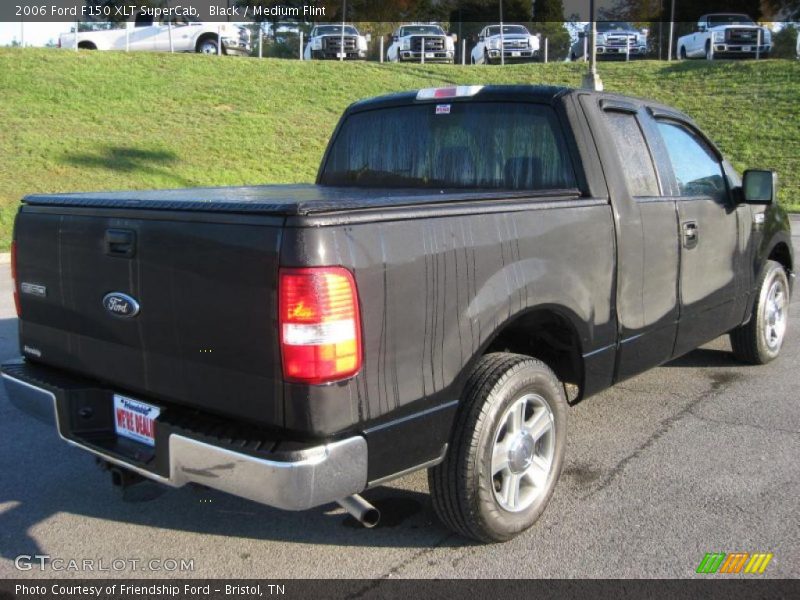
725,35
144,34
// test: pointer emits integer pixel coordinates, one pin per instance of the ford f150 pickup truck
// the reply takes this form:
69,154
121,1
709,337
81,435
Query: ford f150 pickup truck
725,35
465,254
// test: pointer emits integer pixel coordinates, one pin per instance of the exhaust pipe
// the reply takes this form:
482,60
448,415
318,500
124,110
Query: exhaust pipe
361,510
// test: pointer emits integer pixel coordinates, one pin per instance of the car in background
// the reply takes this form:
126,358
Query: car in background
332,42
421,42
615,39
144,34
726,35
516,41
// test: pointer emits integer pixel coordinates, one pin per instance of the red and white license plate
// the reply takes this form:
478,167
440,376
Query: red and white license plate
135,420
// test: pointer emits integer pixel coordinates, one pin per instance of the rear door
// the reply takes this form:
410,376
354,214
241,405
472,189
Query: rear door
648,298
711,288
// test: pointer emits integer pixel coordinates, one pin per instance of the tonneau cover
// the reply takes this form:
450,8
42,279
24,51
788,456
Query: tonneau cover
289,200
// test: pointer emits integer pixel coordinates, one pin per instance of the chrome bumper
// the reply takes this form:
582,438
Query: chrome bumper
315,476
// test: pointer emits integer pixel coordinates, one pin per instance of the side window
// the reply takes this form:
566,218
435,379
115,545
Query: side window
634,155
697,170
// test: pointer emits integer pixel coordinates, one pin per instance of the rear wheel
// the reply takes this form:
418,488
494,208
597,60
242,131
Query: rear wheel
506,452
760,340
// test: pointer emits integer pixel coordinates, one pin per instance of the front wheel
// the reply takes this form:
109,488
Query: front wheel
760,340
208,46
709,51
506,451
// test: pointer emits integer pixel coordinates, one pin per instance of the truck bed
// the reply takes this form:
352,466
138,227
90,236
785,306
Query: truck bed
287,200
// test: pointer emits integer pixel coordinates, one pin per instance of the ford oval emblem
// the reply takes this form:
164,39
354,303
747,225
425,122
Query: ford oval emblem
121,305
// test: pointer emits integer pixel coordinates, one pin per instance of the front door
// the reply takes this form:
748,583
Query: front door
709,238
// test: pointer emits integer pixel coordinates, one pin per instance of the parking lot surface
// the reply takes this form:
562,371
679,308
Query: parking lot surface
700,455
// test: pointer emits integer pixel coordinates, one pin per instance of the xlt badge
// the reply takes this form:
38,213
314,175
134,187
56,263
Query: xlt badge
121,305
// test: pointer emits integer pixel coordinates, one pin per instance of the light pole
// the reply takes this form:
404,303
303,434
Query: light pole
671,30
344,20
592,81
502,39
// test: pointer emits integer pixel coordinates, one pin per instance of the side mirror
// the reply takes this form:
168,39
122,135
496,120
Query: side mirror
759,186
395,38
701,28
455,37
481,38
368,37
581,35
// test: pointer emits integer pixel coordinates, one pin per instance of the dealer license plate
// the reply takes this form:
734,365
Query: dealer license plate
430,55
516,54
135,420
747,49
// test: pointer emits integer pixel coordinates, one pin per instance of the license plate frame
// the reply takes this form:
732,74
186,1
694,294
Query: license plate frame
134,419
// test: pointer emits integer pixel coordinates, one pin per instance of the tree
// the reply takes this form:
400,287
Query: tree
784,42
549,22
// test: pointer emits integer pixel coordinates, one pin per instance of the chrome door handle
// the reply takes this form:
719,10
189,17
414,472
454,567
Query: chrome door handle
691,234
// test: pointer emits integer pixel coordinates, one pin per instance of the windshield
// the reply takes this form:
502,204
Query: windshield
507,30
606,26
715,20
488,145
421,30
335,30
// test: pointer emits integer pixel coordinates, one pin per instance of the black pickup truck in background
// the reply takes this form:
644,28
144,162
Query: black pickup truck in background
465,253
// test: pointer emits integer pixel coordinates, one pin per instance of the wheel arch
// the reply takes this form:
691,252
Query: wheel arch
551,333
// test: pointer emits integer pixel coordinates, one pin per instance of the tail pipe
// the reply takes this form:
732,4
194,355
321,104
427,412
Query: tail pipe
361,510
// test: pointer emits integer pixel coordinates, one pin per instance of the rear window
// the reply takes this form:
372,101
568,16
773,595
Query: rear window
490,145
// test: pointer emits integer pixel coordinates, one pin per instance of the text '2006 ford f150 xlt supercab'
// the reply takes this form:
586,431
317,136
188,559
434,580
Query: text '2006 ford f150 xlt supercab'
465,254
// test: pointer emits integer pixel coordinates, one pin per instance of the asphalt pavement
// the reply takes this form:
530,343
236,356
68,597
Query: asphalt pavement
700,455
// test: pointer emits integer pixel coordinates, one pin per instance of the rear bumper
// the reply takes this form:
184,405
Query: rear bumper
279,474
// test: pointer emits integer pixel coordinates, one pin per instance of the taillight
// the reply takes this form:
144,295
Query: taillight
14,275
320,327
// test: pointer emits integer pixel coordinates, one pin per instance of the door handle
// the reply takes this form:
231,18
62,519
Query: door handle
120,242
691,234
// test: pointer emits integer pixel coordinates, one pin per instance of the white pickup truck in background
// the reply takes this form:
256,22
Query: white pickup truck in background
330,42
420,42
517,42
725,35
143,34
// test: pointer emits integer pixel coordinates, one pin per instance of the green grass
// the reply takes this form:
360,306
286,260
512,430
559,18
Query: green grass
93,121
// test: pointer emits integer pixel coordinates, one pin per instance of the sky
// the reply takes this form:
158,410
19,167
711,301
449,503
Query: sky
36,34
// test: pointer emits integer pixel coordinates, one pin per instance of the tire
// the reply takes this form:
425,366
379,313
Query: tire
683,53
759,341
467,496
709,53
486,59
208,45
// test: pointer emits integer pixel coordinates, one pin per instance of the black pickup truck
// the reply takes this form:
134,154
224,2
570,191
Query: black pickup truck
470,262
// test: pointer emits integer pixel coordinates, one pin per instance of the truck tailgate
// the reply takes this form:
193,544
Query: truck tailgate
205,335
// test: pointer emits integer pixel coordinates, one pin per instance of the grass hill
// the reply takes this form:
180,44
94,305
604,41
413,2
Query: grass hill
93,120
